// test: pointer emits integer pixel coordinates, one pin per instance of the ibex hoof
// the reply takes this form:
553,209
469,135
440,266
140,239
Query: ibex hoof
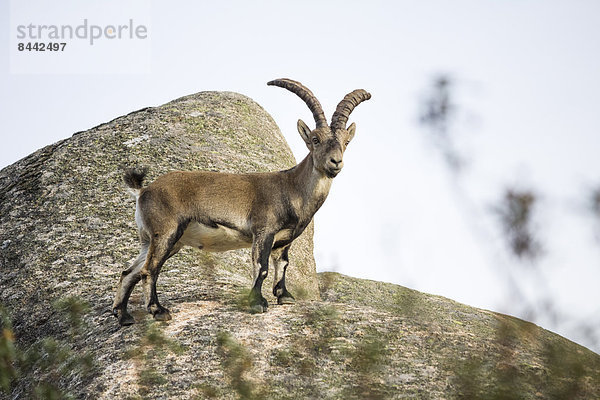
162,314
286,299
125,319
257,309
258,304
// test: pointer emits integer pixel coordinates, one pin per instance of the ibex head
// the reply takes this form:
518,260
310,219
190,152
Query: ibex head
326,143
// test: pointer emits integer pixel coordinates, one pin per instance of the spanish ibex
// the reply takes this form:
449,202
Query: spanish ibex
221,211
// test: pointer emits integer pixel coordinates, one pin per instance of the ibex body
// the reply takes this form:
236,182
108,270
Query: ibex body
219,211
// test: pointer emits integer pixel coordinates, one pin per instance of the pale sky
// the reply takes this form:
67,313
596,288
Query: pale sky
527,77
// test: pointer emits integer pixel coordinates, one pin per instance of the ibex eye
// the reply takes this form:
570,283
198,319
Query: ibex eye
315,140
347,142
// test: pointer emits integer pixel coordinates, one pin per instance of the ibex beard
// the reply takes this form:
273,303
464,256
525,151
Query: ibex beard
215,211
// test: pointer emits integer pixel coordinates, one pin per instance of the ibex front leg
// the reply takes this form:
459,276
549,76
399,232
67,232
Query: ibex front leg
261,250
281,262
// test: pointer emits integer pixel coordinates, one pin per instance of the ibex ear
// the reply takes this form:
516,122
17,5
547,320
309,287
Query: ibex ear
351,131
304,131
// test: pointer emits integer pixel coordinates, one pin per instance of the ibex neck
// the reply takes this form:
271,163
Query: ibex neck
312,185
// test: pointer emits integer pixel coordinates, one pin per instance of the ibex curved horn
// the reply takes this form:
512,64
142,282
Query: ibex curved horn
305,94
345,107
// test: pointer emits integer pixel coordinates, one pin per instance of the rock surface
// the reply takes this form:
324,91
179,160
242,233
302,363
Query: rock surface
67,231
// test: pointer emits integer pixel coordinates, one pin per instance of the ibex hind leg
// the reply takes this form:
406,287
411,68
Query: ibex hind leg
161,249
129,278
